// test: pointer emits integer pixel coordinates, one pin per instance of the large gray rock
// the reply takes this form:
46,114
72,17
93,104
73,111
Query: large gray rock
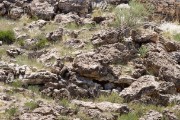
78,6
106,37
163,65
156,60
40,77
96,64
148,90
171,74
42,9
55,35
2,9
145,36
103,106
86,66
146,85
67,18
152,115
16,13
14,52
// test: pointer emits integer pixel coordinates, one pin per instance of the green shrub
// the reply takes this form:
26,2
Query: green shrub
64,102
177,37
41,43
140,109
132,17
21,42
2,52
7,36
63,118
83,116
72,26
31,105
16,84
129,116
97,12
34,88
113,97
11,112
143,51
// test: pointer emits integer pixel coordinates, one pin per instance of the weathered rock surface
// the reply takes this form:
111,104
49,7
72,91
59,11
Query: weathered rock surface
146,88
152,115
106,37
103,106
42,9
55,35
40,77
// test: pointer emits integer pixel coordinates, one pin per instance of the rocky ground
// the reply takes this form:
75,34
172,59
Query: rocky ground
89,60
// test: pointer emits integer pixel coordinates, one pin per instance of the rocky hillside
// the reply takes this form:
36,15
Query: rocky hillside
89,60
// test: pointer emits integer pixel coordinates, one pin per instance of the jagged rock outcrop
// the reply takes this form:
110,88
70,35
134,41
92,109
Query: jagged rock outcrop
95,64
170,10
146,89
40,77
104,106
42,9
152,115
106,37
55,35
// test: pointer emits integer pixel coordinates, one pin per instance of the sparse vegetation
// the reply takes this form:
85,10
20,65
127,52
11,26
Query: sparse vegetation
97,12
113,97
11,112
2,52
131,17
34,88
16,84
72,26
21,42
140,108
83,116
143,50
64,102
71,61
24,60
7,36
31,105
41,43
129,116
177,37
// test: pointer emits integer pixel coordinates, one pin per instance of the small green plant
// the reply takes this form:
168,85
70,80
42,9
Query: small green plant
11,112
24,60
64,102
31,105
72,26
34,88
133,16
63,118
129,116
21,42
113,97
140,109
7,36
83,116
34,17
143,51
177,37
97,12
2,52
41,43
17,83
